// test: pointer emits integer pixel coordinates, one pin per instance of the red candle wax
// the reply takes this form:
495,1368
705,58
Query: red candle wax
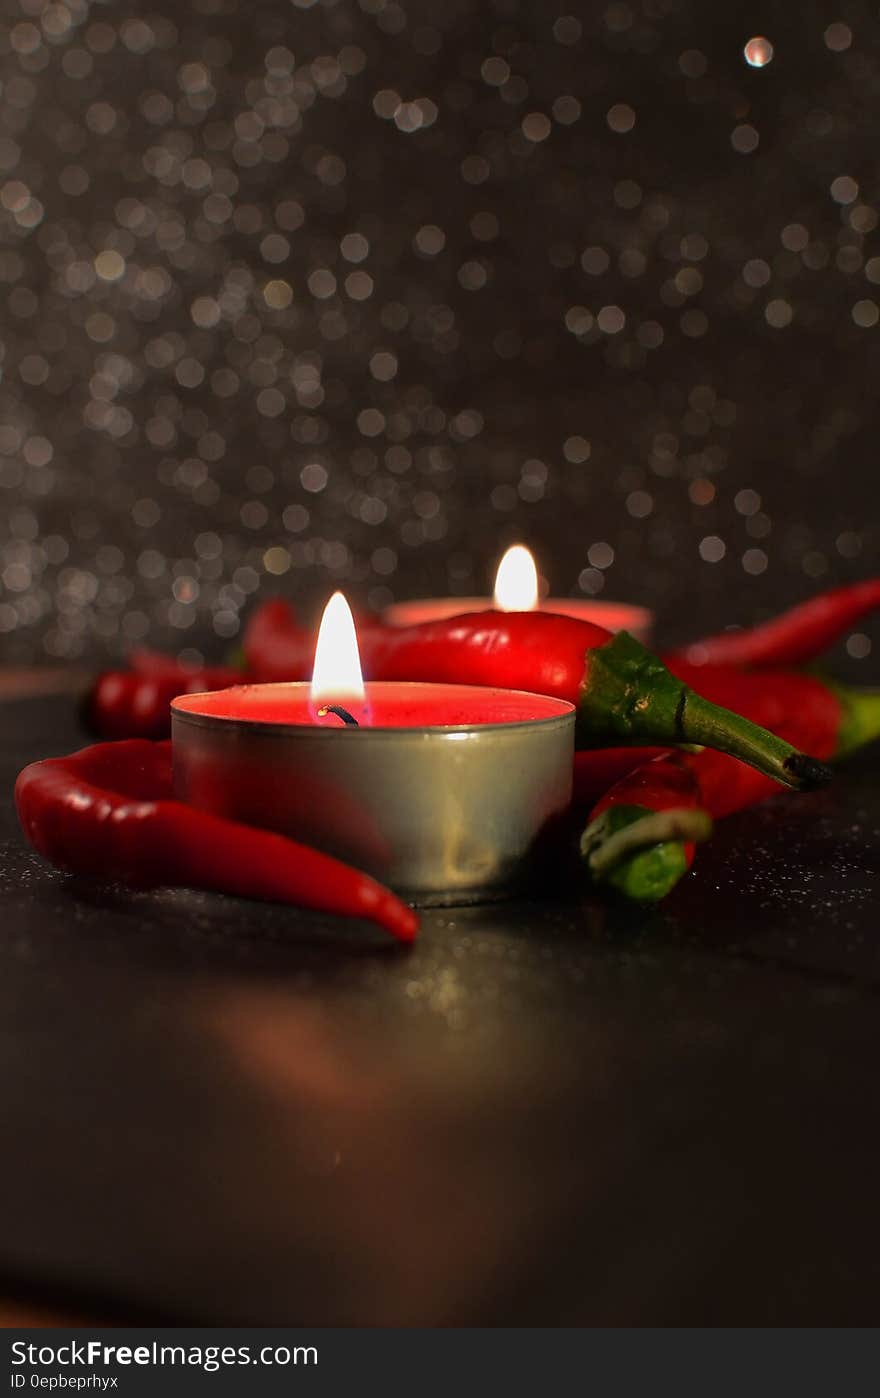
614,616
389,704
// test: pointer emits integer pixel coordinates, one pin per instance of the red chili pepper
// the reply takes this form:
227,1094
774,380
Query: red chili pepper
275,646
110,811
623,694
642,832
137,704
795,637
595,772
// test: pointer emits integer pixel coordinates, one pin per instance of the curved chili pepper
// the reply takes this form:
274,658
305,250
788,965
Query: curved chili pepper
623,694
642,832
137,703
795,637
110,811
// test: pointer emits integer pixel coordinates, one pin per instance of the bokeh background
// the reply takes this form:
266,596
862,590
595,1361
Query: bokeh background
308,295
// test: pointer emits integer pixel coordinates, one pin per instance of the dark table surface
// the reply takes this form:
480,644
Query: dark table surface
567,1112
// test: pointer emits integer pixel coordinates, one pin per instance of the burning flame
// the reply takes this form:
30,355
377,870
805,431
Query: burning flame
337,672
516,582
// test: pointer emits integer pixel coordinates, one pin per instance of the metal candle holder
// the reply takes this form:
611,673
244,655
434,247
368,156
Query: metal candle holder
444,814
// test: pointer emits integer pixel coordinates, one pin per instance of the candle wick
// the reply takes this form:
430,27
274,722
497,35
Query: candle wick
340,712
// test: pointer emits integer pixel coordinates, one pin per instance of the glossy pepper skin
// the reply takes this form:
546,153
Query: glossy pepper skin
137,703
794,638
642,831
110,811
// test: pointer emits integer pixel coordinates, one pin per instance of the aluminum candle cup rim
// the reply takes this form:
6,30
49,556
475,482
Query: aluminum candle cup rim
264,727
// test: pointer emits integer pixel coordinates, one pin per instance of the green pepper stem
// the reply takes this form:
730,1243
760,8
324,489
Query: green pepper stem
629,696
729,732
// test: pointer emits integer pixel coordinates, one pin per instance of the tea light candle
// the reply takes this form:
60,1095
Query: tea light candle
516,590
441,791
